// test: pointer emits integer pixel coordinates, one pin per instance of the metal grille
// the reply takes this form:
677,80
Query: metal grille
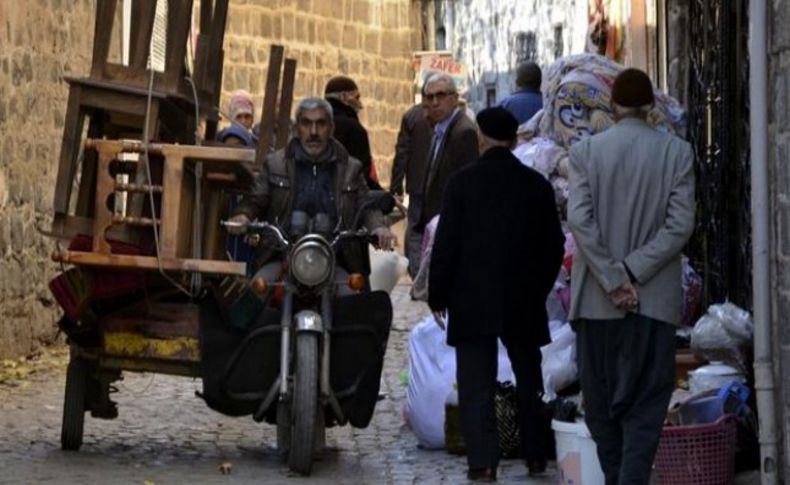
719,133
526,47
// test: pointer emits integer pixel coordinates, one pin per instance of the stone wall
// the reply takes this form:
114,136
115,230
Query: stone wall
779,162
369,40
43,40
492,36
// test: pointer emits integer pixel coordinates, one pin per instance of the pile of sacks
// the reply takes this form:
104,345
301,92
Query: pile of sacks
576,104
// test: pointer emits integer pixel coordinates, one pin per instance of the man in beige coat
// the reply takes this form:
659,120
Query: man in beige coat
631,211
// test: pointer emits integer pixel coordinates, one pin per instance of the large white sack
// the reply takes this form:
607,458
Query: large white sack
431,378
559,360
386,268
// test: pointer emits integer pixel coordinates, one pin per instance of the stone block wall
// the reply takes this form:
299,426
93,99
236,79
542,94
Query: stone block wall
369,40
779,163
43,40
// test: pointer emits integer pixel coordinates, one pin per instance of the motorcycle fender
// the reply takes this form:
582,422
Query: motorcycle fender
308,321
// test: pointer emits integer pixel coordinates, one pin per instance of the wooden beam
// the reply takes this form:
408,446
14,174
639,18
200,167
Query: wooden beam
149,263
286,100
179,21
172,179
143,15
204,153
102,35
268,114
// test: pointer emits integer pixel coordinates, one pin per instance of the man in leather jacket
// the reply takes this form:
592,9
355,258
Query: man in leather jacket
313,174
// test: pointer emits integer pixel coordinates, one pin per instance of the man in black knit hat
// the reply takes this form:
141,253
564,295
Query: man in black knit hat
631,211
344,96
496,255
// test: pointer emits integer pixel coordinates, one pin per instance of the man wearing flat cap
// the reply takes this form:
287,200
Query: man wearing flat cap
344,96
496,255
631,211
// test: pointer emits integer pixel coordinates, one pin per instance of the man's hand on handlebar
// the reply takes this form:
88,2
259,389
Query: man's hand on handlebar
237,224
386,239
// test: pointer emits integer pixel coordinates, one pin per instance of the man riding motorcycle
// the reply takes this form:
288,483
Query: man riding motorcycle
315,176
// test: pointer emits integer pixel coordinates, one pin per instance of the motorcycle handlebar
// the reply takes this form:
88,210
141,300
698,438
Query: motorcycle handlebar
263,226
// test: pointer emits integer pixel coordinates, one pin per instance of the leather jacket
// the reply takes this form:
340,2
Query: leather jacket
273,194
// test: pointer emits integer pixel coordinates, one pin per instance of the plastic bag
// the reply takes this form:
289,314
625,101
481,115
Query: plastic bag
386,268
419,289
431,378
721,332
692,294
559,360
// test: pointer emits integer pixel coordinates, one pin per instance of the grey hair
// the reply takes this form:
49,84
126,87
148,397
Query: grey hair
440,76
314,103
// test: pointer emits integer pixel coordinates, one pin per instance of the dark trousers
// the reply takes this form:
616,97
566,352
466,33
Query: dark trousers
476,375
412,246
626,369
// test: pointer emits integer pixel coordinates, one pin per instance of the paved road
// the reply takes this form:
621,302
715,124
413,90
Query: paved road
165,435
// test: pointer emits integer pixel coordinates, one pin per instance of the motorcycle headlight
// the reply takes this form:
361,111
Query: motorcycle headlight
311,263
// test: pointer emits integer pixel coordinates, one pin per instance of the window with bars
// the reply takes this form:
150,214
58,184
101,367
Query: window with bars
559,47
490,96
526,46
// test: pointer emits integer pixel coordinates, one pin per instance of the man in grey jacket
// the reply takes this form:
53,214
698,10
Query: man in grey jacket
631,211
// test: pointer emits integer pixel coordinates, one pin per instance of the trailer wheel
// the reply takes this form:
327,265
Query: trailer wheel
74,404
305,404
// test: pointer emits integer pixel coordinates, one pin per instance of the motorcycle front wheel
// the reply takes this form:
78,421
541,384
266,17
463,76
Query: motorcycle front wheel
304,412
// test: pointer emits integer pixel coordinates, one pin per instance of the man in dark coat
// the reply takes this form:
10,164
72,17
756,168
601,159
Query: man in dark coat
496,255
343,94
411,153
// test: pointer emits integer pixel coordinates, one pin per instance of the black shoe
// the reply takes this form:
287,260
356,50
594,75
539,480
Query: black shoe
482,474
536,467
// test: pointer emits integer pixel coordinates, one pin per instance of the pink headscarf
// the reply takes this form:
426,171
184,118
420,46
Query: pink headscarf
241,103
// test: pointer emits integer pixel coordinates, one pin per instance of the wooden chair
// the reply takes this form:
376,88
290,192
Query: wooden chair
115,97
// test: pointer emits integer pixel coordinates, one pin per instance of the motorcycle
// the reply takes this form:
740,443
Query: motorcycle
331,346
289,350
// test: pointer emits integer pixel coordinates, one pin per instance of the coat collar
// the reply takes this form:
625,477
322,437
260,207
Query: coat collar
340,108
496,153
632,120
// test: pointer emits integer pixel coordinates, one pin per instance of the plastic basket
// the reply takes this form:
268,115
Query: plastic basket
699,454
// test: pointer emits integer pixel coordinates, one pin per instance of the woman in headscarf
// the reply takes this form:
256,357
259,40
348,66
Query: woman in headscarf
242,114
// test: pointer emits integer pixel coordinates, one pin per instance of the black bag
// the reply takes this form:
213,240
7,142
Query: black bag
506,405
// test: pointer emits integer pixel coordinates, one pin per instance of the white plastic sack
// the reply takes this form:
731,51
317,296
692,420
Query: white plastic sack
721,332
431,379
559,360
386,268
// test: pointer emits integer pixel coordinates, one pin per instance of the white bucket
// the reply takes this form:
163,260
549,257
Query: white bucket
577,460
